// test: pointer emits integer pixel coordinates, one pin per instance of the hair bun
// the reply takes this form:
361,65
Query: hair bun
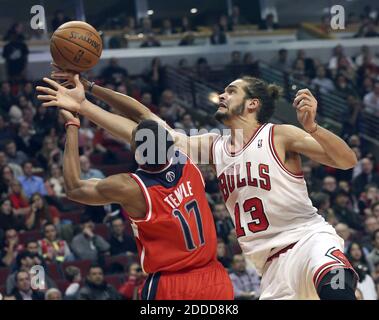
274,91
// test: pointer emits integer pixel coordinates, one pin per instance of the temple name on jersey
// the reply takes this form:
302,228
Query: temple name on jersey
183,191
231,178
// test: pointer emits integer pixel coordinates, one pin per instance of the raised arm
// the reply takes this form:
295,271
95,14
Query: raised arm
315,142
198,147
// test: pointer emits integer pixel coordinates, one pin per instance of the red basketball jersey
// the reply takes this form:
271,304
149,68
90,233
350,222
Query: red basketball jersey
178,231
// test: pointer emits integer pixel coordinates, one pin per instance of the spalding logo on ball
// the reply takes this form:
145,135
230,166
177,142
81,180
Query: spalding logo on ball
76,45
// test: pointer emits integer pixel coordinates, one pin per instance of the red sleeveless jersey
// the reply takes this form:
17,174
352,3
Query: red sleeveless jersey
178,231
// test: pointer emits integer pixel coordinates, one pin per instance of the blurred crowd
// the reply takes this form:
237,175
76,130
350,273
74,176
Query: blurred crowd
89,252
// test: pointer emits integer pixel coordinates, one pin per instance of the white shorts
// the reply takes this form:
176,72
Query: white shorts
296,273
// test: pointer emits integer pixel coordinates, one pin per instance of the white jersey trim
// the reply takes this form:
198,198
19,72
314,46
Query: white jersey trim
147,199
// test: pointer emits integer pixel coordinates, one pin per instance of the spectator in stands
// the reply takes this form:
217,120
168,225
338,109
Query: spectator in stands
15,53
246,282
167,28
224,24
7,176
114,73
298,71
53,249
8,218
154,77
147,100
281,62
224,223
121,243
31,183
329,186
49,154
185,123
150,41
321,201
235,19
368,176
373,256
96,288
338,53
188,39
218,36
268,23
321,82
32,247
146,26
186,25
351,119
370,31
365,284
56,181
344,87
87,172
59,19
130,290
343,213
73,275
25,138
345,233
24,262
235,68
371,224
7,99
356,256
130,28
250,65
53,294
11,248
222,254
23,289
14,155
371,100
375,210
87,244
168,100
18,198
41,213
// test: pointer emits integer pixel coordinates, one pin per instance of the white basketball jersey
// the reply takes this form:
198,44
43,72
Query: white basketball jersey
269,205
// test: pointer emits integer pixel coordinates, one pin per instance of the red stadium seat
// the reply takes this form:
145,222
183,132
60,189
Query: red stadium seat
26,236
62,285
54,271
115,280
83,265
122,259
74,216
4,272
102,230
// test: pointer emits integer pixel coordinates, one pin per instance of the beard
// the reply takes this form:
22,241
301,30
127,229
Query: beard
223,116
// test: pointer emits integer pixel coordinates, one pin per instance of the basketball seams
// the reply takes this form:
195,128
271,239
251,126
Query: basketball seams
81,28
66,59
77,45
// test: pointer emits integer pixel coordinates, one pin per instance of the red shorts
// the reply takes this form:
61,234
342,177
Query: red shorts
210,282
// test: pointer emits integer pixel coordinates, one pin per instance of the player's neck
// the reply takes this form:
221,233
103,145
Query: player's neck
242,130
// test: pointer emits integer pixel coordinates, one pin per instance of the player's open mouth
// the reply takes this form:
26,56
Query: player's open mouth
222,105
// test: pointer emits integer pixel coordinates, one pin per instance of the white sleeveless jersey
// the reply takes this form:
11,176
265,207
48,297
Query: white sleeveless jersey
269,205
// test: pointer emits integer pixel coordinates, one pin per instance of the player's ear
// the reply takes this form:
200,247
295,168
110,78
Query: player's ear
252,104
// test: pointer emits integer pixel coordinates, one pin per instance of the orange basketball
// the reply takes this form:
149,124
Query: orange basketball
76,45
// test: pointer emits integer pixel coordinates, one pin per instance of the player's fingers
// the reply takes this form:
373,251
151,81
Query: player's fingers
55,66
77,81
305,91
52,103
301,101
66,84
46,90
46,97
52,83
301,97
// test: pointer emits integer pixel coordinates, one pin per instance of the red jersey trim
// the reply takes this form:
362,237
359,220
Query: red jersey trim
298,175
234,154
147,199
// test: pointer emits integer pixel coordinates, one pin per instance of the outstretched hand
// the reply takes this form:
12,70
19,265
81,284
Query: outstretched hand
306,109
69,99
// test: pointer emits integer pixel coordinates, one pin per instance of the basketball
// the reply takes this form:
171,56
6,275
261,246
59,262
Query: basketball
76,45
